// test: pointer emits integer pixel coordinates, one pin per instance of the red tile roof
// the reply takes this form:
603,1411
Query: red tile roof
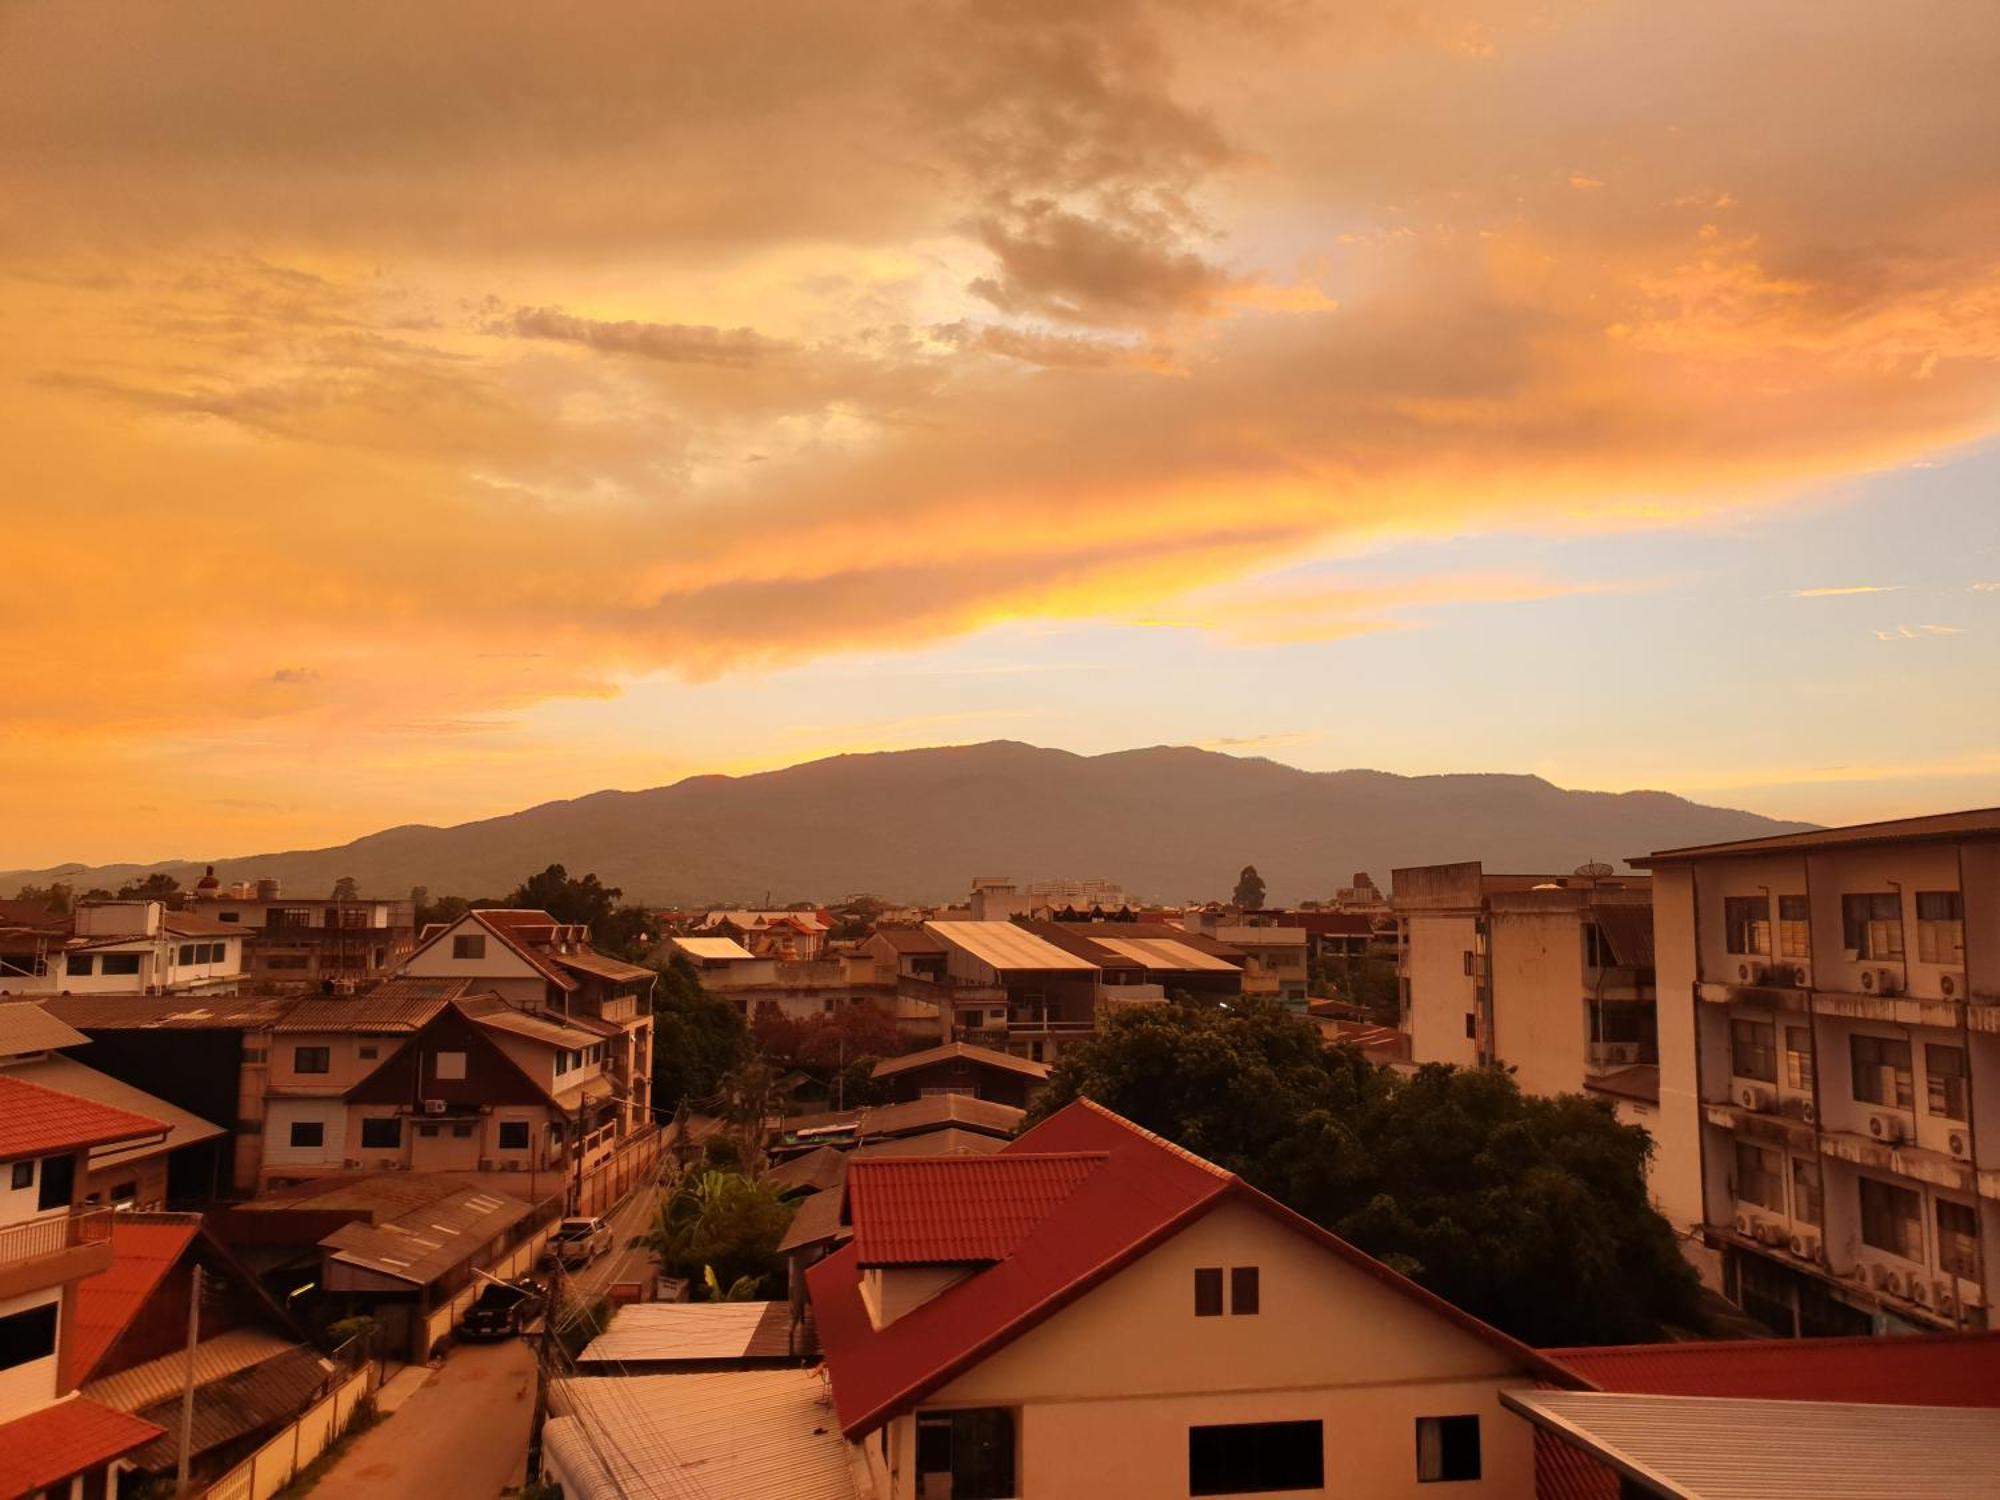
957,1210
64,1440
1942,1369
141,1256
1143,1190
35,1121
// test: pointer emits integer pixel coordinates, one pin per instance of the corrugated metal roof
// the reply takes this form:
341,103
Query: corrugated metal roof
420,1246
63,1440
712,948
1009,949
1978,823
159,1379
68,1076
913,1117
816,1222
819,1168
1936,1369
740,1435
651,1332
36,1121
396,1005
909,939
536,1027
237,1404
590,961
1165,954
946,1142
1710,1448
957,1210
30,1028
170,1012
986,1057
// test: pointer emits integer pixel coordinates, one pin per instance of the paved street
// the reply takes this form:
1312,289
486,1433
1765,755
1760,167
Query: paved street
632,1217
464,1436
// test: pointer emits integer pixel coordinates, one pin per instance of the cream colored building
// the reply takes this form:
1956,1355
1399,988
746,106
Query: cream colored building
1830,1069
1551,976
1094,1312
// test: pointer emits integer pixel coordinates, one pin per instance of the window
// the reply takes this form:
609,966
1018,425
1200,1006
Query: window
125,1192
1208,1292
119,963
468,945
80,963
308,1133
311,1059
1249,1458
1881,1067
1243,1291
368,1053
1798,1058
28,1336
1760,1177
1468,961
1941,927
461,1132
1471,1027
1892,1219
448,1065
1805,1191
1447,1449
288,916
1746,924
187,952
972,1451
1753,1050
1794,927
1944,1080
23,1175
385,1134
513,1135
58,1183
229,916
1597,952
1872,925
352,917
428,1132
1958,1239
27,965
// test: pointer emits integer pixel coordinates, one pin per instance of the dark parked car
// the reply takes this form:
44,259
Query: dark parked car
501,1308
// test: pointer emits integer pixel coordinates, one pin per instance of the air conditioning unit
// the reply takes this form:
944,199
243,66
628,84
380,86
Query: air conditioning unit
1769,1233
1947,1298
1959,1144
1885,1278
1805,1246
435,1106
1886,1128
1753,1098
1920,1291
1879,982
1746,1226
1807,1112
1801,976
1952,985
1752,972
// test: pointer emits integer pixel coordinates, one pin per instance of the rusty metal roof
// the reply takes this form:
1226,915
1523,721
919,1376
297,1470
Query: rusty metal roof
421,1245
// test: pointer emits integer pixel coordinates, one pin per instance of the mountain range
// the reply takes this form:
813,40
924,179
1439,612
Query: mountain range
1169,823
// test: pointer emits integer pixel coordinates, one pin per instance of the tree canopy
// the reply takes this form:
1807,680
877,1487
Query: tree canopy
1249,893
720,1230
1529,1212
698,1040
347,888
158,886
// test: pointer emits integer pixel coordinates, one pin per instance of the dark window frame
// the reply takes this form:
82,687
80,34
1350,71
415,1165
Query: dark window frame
316,1129
312,1059
1244,1291
1255,1458
1457,1456
373,1124
1208,1291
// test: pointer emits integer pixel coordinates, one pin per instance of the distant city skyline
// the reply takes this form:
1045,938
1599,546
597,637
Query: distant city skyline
418,432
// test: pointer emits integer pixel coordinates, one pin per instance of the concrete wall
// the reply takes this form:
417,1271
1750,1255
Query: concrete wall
1676,1179
1107,1388
25,1387
1442,994
279,1116
1540,1024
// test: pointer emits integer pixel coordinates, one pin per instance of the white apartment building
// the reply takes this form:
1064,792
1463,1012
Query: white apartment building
121,948
1549,975
1830,1070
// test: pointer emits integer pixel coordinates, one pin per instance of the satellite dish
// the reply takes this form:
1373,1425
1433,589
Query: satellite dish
1595,870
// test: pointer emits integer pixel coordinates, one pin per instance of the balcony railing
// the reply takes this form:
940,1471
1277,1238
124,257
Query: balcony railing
37,1237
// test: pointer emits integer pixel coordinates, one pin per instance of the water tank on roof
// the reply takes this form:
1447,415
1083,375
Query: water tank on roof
269,889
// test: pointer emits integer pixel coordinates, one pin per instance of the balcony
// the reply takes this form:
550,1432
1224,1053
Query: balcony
49,1251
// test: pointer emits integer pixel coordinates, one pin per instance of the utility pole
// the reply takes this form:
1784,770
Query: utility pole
187,1388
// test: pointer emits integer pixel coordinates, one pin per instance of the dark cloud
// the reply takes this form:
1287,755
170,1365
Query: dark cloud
675,343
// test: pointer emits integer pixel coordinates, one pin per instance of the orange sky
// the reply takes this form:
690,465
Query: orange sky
386,384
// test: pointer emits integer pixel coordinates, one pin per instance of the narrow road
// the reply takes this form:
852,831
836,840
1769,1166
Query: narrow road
632,1217
464,1436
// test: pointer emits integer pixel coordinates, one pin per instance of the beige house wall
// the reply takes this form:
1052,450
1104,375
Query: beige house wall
1676,1178
1108,1387
1540,1022
1442,994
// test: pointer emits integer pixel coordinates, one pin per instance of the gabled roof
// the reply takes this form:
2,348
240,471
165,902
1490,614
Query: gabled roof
57,1442
1008,949
958,1210
36,1121
538,1026
1937,1369
402,1004
910,939
142,1255
65,1075
753,921
819,1168
513,928
30,1028
985,1057
914,1117
713,948
1145,1190
422,1245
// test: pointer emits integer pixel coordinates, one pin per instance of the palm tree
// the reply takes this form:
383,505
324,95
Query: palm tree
720,1229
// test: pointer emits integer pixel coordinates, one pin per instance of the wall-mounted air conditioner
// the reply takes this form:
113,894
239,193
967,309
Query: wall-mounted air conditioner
1770,1233
1753,1098
1959,1143
1880,982
1886,1128
1919,1291
1746,1225
1805,1246
1952,985
1884,1278
1752,972
1946,1296
1801,976
435,1106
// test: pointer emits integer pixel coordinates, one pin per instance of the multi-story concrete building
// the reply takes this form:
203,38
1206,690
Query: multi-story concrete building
1549,975
308,942
119,948
1830,1069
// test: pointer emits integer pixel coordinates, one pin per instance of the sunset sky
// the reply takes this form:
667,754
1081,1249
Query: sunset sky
411,412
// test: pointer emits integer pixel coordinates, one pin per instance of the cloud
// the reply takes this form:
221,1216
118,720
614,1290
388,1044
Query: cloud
1916,632
1236,742
1843,592
671,342
1986,588
294,676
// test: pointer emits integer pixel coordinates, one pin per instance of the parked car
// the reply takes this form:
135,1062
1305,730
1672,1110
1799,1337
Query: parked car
502,1308
578,1242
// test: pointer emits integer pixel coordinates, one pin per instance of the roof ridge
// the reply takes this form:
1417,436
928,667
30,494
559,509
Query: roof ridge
1156,1139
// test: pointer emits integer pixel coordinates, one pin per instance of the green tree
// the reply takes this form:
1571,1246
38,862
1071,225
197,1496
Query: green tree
582,899
56,896
1249,892
1485,1195
720,1230
445,909
347,888
698,1040
158,886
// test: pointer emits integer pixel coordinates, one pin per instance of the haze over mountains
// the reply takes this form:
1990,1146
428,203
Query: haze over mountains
917,825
